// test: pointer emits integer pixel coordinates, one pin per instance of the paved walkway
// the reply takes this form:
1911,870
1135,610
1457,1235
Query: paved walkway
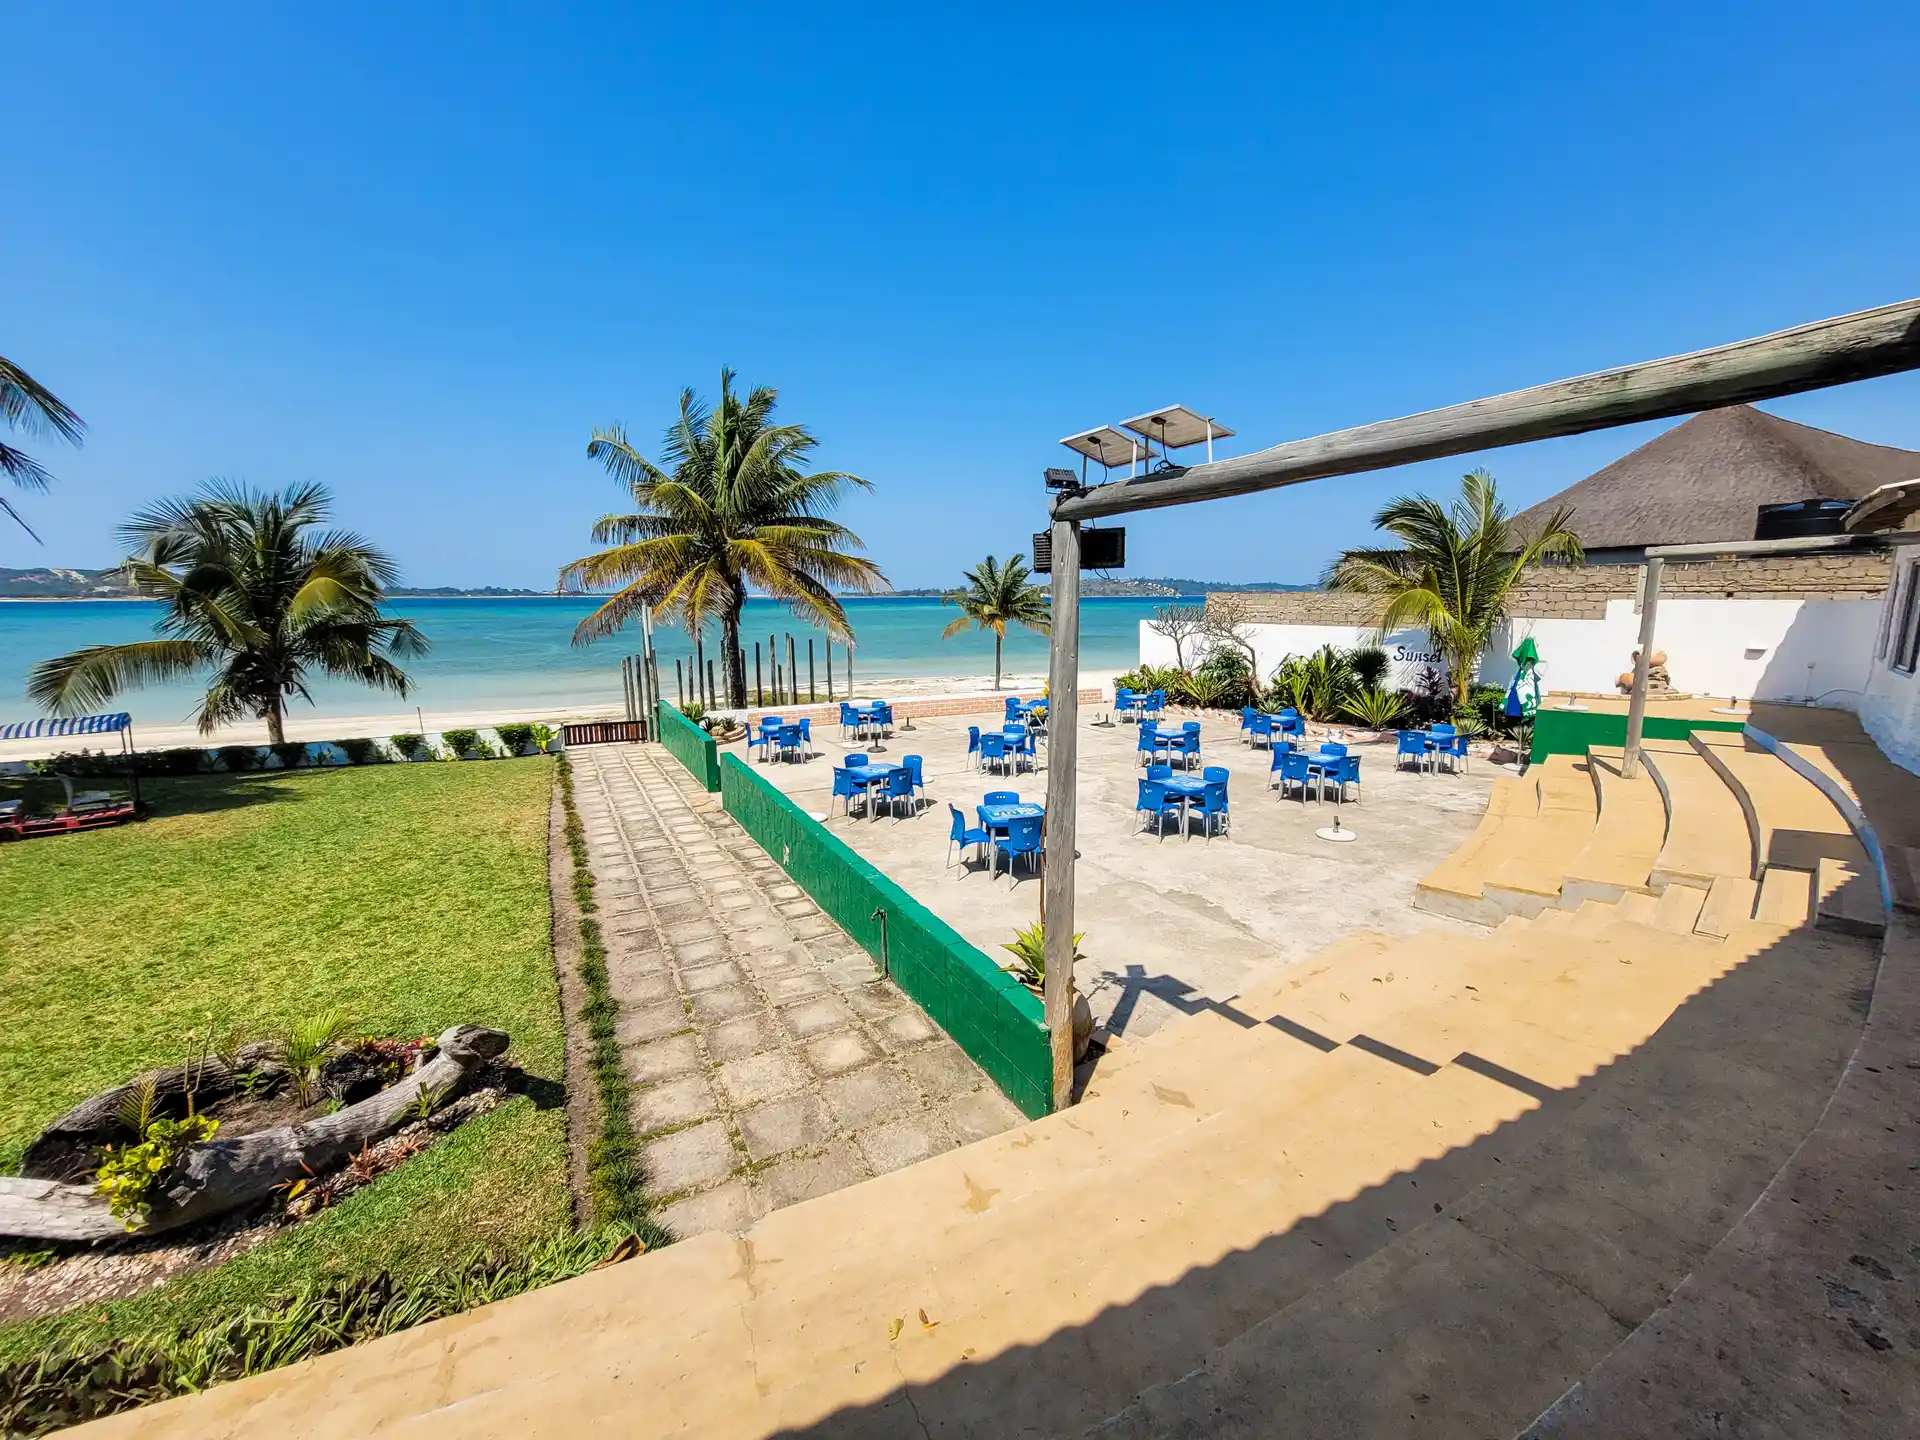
771,1061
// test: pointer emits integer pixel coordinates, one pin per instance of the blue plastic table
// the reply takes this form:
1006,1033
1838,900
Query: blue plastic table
869,776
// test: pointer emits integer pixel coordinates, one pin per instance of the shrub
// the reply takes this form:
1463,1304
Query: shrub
1029,950
1369,665
1375,708
460,741
290,755
1431,698
515,738
543,735
694,711
183,761
237,759
360,751
1152,677
410,747
128,1177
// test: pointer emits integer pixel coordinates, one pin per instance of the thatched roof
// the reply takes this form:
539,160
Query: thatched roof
1704,480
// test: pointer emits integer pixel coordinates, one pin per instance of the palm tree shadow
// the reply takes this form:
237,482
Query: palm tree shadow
210,794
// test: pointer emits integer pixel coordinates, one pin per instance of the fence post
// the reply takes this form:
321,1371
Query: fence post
813,691
759,691
793,673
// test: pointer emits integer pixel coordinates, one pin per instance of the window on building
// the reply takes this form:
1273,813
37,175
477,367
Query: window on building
1890,607
1906,624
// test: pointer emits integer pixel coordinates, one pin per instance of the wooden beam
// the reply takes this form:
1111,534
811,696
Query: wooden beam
1063,748
1885,341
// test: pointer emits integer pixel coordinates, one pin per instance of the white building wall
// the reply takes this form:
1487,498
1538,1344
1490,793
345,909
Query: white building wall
1796,650
1890,708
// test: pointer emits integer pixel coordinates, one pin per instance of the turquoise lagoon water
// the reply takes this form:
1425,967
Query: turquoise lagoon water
518,654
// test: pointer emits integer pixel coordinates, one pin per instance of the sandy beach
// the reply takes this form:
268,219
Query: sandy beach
381,723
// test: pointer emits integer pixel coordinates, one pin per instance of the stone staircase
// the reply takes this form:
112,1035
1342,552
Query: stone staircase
1416,1185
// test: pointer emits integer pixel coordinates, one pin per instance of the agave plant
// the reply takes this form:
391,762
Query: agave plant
1029,948
1375,708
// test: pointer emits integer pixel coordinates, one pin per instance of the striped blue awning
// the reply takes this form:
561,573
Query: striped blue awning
73,725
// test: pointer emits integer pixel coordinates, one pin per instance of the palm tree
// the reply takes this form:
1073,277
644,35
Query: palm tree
997,596
252,594
1453,570
730,508
26,404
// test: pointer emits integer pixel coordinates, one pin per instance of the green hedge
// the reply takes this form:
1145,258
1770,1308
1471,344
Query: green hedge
990,1015
1570,732
690,745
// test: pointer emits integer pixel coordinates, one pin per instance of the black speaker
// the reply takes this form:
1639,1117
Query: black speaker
1099,550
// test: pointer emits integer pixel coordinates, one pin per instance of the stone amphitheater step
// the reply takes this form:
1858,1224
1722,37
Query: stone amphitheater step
1679,909
1792,821
1707,835
1626,839
1786,896
1729,902
1453,887
1527,882
1849,899
1515,862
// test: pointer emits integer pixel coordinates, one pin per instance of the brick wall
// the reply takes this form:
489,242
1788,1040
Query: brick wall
1581,592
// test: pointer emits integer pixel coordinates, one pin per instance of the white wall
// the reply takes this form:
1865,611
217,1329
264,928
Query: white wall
1890,707
1783,649
1407,650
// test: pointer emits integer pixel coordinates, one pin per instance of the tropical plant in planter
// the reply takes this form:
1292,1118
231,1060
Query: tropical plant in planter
514,739
410,747
460,742
1375,708
1029,950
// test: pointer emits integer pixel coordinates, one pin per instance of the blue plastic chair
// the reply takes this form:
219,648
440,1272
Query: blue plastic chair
1000,797
848,720
1213,802
973,745
1292,766
1247,712
763,739
806,735
1281,750
1123,699
1159,772
1347,774
962,836
1025,750
899,787
1145,743
1413,744
916,768
1157,701
1260,728
1154,800
1014,708
787,738
1190,727
1187,747
993,750
1459,751
882,715
846,786
1022,837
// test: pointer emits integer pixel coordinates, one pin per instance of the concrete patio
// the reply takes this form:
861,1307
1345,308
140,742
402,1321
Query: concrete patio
1170,923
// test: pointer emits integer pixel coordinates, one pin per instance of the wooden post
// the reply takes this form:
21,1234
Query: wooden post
711,692
1063,744
1884,341
700,667
1637,702
649,679
829,669
793,673
759,691
813,691
679,681
849,669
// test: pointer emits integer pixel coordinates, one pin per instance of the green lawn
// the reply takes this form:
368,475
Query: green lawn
412,896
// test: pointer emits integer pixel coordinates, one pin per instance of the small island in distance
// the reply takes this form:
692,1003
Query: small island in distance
53,582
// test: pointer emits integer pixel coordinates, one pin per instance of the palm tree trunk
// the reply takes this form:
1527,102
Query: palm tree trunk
733,658
276,722
997,637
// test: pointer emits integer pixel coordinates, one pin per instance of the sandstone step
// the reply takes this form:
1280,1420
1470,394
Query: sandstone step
1849,900
1455,886
1627,836
1529,878
1707,834
1678,909
1786,896
1636,907
1792,821
1729,902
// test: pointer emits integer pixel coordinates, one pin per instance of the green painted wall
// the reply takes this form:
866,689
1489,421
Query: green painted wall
690,745
1570,732
989,1014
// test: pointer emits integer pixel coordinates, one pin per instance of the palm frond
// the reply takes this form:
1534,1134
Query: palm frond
27,405
88,678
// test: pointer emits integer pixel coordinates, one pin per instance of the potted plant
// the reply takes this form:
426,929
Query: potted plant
1029,950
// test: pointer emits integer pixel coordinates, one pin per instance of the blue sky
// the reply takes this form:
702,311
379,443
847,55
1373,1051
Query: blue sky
418,252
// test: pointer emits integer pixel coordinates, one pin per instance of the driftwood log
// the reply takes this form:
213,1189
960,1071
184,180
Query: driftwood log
69,1148
224,1174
